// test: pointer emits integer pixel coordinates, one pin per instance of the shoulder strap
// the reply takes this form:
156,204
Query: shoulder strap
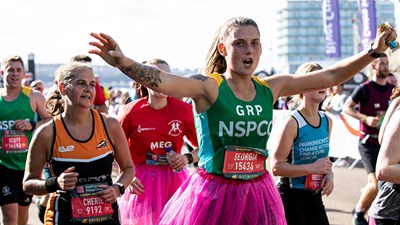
260,81
98,115
54,138
26,91
217,77
324,116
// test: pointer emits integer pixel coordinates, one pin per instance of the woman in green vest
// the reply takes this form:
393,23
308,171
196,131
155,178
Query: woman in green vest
233,113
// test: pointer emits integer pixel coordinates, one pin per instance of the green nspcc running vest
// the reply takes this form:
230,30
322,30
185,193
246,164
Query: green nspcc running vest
231,121
14,144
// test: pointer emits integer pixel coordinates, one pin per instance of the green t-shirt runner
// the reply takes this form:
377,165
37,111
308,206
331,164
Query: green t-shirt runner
14,144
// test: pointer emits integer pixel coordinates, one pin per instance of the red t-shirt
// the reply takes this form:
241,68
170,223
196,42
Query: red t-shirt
151,130
99,98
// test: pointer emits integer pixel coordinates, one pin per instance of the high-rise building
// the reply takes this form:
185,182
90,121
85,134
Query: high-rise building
301,34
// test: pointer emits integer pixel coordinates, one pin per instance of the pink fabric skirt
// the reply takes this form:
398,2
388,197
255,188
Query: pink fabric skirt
160,183
212,199
371,221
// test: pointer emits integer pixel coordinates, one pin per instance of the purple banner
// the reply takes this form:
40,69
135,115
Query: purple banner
368,27
330,17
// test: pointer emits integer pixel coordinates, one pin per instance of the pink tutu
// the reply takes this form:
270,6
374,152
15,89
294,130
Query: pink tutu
160,183
212,199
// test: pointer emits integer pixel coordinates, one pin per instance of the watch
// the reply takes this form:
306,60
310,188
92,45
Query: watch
372,53
33,124
121,188
189,157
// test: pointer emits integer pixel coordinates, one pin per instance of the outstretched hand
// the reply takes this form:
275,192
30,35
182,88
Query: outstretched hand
383,37
107,48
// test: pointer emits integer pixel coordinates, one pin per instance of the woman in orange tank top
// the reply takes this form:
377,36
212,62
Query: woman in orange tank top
80,145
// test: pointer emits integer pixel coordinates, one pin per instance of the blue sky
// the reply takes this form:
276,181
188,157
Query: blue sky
179,31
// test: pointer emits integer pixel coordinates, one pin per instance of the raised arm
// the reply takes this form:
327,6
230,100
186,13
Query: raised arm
287,84
201,87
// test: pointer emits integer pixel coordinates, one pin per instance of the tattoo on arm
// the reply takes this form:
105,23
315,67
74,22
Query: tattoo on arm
147,75
35,187
198,77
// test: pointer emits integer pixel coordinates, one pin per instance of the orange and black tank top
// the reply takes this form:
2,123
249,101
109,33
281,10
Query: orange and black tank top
92,159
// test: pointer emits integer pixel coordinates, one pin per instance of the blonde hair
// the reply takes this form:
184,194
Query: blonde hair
308,67
395,93
302,69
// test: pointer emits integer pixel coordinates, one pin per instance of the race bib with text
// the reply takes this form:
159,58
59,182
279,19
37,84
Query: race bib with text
87,206
244,163
156,160
15,141
313,181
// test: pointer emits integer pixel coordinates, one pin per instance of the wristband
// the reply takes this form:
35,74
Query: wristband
189,157
121,188
33,124
51,184
372,53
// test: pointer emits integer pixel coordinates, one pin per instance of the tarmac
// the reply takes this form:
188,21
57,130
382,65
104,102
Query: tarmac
348,185
347,190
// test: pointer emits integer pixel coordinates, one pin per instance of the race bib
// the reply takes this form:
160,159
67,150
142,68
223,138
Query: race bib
244,163
15,141
87,206
313,181
156,160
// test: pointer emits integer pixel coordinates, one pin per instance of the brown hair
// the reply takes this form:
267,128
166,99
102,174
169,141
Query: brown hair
215,62
81,58
64,75
375,61
12,58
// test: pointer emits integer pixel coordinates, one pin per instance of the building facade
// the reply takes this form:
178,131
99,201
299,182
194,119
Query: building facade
301,34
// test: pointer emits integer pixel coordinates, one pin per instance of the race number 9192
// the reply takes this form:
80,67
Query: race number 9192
94,210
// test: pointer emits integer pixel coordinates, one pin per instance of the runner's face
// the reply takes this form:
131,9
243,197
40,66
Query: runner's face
315,96
382,67
242,50
13,74
338,89
81,91
39,87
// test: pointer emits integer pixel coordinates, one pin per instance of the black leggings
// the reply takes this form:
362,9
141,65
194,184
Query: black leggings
304,207
386,222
